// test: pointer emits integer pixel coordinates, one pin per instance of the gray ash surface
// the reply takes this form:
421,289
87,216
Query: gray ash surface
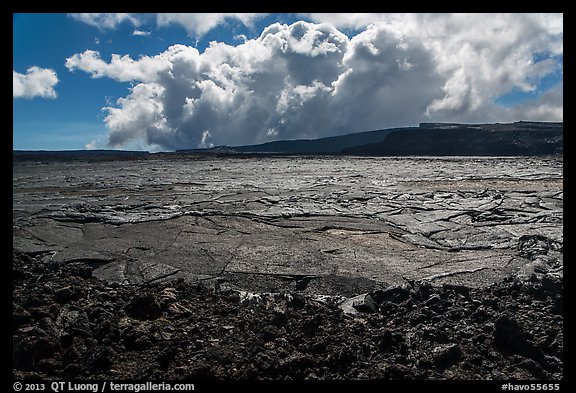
265,223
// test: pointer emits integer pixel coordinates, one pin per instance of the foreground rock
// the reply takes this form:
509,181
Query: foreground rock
68,324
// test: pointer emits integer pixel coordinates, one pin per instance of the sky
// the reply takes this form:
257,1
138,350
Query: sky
163,82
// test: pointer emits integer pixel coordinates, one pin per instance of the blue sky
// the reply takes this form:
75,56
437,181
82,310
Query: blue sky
258,77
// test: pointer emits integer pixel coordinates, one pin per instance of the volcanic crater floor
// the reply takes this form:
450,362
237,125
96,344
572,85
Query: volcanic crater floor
288,268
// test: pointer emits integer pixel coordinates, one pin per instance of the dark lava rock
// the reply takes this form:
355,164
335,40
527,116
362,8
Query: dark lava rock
144,306
269,333
490,301
27,351
342,358
295,300
393,294
79,269
552,284
433,300
167,355
75,350
533,368
67,294
297,361
218,355
481,314
365,303
418,331
136,338
556,347
459,289
558,306
510,337
422,290
48,365
531,246
435,335
99,359
446,355
386,343
20,317
302,283
506,327
73,323
200,372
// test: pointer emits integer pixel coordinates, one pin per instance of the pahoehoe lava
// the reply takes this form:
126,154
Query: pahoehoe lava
288,267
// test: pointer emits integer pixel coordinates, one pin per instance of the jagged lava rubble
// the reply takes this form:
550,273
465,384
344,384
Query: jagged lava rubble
68,324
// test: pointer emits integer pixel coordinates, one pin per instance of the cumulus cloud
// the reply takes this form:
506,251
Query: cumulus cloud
37,82
309,80
481,55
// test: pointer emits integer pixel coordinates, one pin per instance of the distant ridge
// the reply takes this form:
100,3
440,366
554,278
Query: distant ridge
39,155
526,138
519,125
439,139
86,152
328,145
434,139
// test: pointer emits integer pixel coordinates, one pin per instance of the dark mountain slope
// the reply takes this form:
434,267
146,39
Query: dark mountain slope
329,145
433,139
522,138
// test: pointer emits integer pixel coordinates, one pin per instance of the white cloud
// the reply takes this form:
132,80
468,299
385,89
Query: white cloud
349,20
196,24
141,33
205,138
37,82
482,55
310,80
140,117
548,106
199,24
106,20
120,68
93,145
